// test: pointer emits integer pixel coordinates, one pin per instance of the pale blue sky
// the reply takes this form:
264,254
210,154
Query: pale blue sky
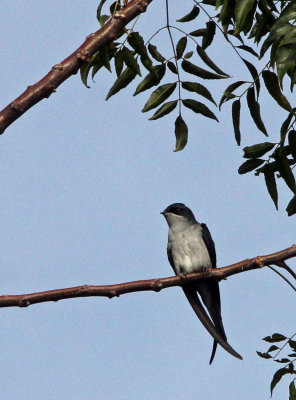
82,186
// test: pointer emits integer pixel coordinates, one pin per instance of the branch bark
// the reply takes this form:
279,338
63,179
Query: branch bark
25,300
70,66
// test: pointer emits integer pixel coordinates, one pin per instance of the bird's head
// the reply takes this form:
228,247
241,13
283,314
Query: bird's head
178,213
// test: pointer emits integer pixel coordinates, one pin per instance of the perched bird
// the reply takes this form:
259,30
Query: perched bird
191,249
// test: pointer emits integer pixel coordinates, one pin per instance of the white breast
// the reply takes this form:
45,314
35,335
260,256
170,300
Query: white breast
188,250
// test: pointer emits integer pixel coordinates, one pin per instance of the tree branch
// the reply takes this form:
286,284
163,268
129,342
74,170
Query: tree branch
70,66
24,300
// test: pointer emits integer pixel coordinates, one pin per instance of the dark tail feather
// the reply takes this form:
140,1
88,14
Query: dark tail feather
213,351
210,294
215,313
207,323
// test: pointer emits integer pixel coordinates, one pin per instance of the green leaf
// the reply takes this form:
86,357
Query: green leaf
199,89
114,7
265,46
130,60
242,9
249,165
121,82
202,73
272,348
96,62
136,41
172,67
291,367
292,344
84,71
254,73
254,108
181,133
209,62
209,34
155,53
165,109
99,9
228,92
198,32
292,143
285,59
118,61
191,16
248,49
103,19
270,181
105,58
95,69
180,48
226,10
282,360
284,128
257,150
273,87
199,108
263,355
277,377
236,106
150,80
293,79
147,63
189,54
285,171
291,207
292,391
159,96
289,12
276,337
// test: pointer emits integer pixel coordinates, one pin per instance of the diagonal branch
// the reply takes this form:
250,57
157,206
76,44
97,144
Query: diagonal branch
70,66
24,300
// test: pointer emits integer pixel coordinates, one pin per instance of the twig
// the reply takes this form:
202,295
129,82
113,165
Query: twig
70,66
283,277
282,264
24,300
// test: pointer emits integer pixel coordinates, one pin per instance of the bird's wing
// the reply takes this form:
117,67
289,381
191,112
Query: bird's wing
215,307
209,290
209,242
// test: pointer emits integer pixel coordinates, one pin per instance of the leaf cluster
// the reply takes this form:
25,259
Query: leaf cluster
280,158
176,79
289,360
133,54
270,25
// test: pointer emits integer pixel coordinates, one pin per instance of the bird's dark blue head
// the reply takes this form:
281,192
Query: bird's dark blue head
179,209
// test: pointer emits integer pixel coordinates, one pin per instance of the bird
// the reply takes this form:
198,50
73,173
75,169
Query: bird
191,249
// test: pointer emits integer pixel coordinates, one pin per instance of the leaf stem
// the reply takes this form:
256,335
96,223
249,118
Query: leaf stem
174,51
287,341
283,277
218,26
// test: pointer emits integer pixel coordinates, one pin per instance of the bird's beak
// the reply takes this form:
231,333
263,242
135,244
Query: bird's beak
163,212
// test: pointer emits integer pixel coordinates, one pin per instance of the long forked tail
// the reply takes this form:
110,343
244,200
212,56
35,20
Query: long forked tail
199,310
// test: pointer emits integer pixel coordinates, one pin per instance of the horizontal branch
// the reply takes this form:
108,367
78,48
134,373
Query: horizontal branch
24,300
70,66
